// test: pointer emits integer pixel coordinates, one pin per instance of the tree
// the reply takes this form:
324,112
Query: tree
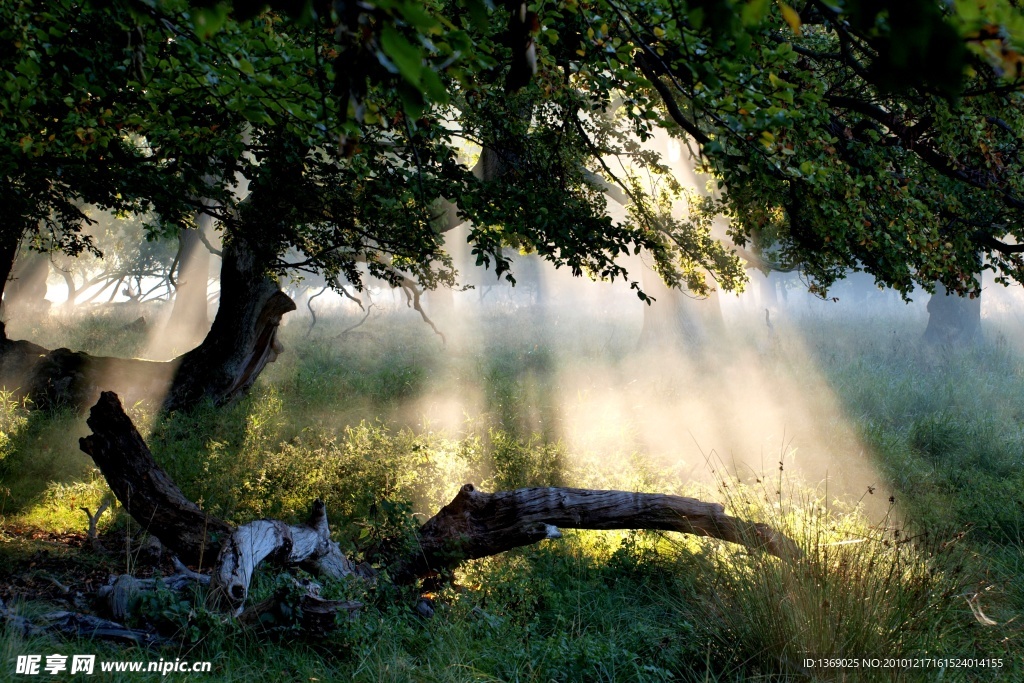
837,135
843,143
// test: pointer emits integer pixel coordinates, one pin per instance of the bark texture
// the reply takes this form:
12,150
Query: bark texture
76,625
240,344
65,378
145,490
309,546
478,524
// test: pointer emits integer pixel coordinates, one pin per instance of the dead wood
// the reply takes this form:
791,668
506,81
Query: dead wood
122,589
299,605
93,532
309,546
77,625
159,506
475,524
478,524
145,490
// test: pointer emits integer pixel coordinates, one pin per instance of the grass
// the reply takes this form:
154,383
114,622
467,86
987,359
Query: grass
385,416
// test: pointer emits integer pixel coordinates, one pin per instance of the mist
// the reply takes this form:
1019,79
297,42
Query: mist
699,388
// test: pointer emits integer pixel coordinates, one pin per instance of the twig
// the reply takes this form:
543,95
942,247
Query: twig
93,533
349,329
312,313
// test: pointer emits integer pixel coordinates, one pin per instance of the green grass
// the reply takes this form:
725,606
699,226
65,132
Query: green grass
355,421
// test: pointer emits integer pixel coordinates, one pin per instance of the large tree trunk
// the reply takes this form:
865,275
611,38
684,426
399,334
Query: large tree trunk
243,338
475,524
241,342
952,320
8,252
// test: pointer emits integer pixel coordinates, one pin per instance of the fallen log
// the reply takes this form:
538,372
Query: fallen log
475,524
478,524
159,506
62,378
308,546
121,589
302,606
145,490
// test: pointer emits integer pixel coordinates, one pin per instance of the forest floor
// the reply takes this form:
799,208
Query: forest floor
897,468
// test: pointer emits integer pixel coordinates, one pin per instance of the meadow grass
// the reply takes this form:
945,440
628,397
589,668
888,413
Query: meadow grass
939,573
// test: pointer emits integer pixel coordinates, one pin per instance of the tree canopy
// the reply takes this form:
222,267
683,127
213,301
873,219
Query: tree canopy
880,136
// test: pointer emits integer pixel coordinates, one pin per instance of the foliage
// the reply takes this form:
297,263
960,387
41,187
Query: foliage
876,136
62,111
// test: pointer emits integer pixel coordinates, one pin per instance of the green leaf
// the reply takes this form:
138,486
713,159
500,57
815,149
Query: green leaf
754,12
209,20
479,12
257,115
433,88
412,100
406,57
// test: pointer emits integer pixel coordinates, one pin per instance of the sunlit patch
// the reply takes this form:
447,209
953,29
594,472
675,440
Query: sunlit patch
60,507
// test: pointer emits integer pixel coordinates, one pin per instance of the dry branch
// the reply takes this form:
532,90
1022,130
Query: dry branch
308,610
478,524
93,532
77,625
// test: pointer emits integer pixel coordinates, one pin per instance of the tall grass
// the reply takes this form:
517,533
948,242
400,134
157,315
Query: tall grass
338,420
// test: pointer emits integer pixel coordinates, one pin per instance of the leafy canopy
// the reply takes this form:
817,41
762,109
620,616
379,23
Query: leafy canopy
869,135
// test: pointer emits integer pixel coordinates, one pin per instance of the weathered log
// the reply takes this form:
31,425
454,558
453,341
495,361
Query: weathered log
64,378
145,490
122,589
309,546
477,524
159,506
